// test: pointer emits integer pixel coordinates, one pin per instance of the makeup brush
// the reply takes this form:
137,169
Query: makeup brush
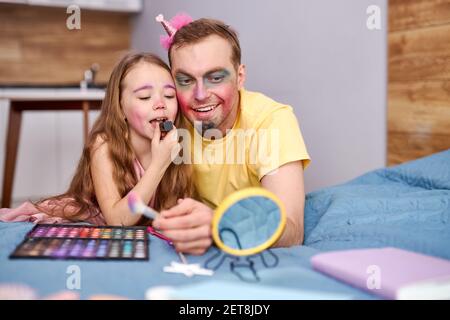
138,207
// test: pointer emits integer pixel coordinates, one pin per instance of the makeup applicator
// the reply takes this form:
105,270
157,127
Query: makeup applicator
138,207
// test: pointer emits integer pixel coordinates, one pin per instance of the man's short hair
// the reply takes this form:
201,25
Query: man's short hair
199,29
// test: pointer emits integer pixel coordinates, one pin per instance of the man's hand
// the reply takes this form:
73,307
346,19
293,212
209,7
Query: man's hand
188,224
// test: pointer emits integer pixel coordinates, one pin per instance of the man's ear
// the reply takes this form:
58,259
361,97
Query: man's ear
241,76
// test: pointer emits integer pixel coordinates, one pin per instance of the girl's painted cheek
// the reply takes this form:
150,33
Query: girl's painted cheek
137,121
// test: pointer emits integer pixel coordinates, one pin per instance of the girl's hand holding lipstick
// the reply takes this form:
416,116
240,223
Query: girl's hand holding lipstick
166,149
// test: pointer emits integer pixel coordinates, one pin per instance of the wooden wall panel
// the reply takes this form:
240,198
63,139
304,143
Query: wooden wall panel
409,146
414,14
419,79
36,47
422,54
420,107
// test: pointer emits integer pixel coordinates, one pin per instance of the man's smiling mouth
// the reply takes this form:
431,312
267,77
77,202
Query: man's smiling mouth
206,108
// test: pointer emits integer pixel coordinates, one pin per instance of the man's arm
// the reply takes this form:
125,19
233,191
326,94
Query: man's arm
188,223
287,183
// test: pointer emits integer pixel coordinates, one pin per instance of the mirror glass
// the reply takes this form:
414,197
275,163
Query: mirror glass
248,222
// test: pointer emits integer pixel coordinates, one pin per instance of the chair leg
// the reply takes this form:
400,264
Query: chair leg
86,120
12,144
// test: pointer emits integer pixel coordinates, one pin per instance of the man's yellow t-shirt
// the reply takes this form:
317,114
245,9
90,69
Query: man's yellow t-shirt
265,136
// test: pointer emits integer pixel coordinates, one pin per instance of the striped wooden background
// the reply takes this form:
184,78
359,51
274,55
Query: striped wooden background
36,47
419,79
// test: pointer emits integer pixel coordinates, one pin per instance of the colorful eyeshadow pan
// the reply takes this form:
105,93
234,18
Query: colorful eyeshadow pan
84,242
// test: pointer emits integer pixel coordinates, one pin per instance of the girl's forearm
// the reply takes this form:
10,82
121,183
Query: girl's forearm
120,215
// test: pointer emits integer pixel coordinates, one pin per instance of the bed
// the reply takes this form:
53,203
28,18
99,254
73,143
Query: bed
406,206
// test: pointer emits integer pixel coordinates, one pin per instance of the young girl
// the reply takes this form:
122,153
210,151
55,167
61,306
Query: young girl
125,152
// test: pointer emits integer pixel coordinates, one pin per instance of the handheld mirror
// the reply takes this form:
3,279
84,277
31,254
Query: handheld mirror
248,221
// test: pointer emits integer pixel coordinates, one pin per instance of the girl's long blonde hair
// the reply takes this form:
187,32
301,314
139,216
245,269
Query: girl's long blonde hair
79,202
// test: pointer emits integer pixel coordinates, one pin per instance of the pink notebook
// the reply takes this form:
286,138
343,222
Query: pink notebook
388,272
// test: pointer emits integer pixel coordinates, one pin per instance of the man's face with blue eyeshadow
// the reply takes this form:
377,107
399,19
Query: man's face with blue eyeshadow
207,82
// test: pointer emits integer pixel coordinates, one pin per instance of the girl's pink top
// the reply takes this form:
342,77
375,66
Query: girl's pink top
27,212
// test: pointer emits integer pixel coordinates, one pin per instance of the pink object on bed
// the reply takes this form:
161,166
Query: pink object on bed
27,212
389,272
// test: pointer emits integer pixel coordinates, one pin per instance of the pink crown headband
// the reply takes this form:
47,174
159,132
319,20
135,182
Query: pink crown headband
175,24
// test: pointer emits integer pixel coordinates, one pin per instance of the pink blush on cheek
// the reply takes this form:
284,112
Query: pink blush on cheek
183,104
136,121
227,94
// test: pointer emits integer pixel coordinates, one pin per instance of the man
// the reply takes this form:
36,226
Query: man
205,58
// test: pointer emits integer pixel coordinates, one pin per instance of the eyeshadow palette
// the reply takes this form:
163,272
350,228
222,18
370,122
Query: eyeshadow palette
50,241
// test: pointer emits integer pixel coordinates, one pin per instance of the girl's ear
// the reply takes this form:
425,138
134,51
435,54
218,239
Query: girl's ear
241,75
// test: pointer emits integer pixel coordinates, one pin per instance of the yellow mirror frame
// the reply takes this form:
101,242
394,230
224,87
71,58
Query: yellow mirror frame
233,199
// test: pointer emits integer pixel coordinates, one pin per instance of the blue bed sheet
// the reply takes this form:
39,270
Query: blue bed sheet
406,206
132,279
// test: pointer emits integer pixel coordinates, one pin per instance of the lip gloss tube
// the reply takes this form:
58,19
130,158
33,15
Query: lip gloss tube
152,231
